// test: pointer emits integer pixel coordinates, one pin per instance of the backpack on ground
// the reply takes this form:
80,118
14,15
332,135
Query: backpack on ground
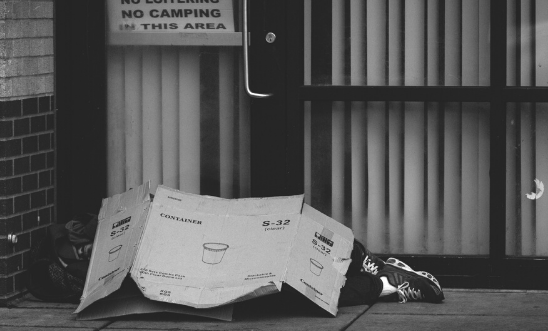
59,261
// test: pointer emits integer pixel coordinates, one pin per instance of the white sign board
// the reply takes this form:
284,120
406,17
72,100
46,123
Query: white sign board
170,16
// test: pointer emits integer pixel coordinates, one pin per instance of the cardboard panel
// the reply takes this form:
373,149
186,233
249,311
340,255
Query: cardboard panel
320,258
205,251
120,225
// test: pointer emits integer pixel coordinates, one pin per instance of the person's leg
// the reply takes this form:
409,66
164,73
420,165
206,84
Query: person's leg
369,277
362,286
361,289
363,261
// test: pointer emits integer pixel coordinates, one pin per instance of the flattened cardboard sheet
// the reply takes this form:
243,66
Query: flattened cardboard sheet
198,255
204,251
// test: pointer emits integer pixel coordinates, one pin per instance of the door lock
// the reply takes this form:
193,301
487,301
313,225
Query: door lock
270,37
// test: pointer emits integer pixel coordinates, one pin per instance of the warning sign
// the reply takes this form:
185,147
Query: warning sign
170,16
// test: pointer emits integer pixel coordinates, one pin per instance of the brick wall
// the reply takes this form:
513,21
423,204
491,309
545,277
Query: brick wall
27,133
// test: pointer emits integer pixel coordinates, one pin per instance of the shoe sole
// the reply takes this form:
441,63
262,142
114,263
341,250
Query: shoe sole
399,264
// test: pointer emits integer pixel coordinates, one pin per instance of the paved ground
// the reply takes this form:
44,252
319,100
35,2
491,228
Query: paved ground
462,310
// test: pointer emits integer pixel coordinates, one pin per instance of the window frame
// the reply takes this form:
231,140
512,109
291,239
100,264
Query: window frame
496,270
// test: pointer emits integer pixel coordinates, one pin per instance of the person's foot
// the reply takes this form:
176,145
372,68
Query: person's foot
364,261
371,263
411,285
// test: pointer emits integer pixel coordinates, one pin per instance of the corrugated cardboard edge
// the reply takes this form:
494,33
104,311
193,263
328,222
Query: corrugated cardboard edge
141,305
340,281
245,293
133,302
268,289
198,202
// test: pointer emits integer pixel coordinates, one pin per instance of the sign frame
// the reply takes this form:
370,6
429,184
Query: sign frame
166,37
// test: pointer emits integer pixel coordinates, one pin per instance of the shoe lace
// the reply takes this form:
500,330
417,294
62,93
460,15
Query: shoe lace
407,293
370,266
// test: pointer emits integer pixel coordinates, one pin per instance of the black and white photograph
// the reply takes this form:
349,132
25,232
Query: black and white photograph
273,165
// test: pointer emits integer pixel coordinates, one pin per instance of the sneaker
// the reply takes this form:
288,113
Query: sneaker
363,261
411,285
371,263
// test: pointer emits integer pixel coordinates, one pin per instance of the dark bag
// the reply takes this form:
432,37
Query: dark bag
57,273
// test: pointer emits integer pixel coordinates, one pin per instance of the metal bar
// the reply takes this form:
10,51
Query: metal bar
189,120
175,39
170,115
115,122
394,93
414,223
415,93
338,112
226,122
358,118
498,134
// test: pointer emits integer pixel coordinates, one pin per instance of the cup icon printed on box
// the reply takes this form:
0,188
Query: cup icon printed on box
316,267
113,253
213,252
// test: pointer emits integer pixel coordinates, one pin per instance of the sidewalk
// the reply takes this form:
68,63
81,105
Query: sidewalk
462,310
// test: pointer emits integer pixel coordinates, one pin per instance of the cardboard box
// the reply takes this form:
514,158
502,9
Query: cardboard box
202,254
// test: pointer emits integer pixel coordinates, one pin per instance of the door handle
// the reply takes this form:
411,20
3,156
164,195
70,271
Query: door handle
246,58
